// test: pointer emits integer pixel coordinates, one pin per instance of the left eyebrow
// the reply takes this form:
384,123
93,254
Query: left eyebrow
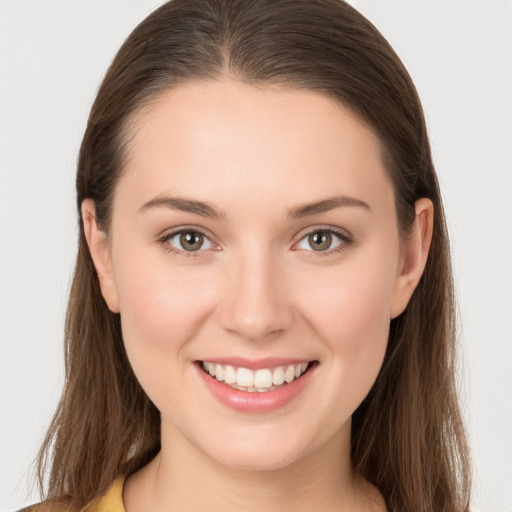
326,205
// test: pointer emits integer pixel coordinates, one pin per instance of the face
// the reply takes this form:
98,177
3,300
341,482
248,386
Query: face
254,230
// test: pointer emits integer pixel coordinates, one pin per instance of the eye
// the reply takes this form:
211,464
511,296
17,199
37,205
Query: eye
323,240
188,240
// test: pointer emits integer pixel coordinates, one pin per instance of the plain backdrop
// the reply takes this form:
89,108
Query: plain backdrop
53,55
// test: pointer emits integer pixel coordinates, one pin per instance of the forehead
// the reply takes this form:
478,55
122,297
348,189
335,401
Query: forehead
228,140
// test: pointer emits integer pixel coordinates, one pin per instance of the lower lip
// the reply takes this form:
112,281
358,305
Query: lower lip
256,402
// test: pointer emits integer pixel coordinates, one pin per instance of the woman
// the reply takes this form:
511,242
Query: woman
262,308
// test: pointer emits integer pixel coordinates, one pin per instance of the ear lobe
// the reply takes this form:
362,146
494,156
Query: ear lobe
98,247
415,254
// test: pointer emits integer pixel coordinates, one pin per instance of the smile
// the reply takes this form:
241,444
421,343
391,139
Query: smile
260,381
263,388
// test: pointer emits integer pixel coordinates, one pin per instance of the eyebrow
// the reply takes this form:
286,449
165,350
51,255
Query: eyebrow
326,205
185,204
206,209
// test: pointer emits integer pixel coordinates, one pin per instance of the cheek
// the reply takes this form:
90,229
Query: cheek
349,309
161,313
349,303
161,310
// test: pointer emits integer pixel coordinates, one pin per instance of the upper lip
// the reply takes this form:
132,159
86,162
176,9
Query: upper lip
254,364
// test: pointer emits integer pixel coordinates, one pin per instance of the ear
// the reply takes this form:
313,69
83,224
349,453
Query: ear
414,258
100,252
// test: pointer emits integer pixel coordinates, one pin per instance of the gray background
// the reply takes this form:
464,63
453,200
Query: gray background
52,57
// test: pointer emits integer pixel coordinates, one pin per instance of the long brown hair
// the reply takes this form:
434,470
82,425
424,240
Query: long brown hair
407,435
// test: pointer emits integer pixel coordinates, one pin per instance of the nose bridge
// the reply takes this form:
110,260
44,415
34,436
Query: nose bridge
255,303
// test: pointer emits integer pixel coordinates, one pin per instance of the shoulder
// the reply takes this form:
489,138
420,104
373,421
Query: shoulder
111,501
49,506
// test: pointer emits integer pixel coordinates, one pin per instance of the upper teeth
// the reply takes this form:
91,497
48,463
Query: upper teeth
263,379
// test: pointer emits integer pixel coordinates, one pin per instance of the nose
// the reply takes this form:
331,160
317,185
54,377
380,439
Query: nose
256,305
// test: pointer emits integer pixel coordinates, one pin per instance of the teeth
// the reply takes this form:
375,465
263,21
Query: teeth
278,376
289,374
245,377
229,375
262,380
219,372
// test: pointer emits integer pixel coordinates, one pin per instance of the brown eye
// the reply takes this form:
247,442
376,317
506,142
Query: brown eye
188,241
191,240
320,240
323,241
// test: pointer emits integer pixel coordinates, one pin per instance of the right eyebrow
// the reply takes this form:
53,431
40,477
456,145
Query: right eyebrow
202,208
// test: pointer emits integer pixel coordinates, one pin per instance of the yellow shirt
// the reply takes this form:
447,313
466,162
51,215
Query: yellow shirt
111,501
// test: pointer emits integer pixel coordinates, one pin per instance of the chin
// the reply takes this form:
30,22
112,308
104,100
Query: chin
260,460
258,455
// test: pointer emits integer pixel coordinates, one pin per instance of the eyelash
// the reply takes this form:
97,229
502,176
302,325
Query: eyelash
345,240
342,235
182,254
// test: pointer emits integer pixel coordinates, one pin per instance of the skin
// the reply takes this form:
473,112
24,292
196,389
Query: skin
257,290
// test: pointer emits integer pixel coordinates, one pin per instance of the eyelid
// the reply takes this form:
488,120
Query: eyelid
169,232
342,233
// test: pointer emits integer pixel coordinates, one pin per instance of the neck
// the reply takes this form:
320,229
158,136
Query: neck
184,478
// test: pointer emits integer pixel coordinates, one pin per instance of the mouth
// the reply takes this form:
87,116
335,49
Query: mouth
259,389
260,380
